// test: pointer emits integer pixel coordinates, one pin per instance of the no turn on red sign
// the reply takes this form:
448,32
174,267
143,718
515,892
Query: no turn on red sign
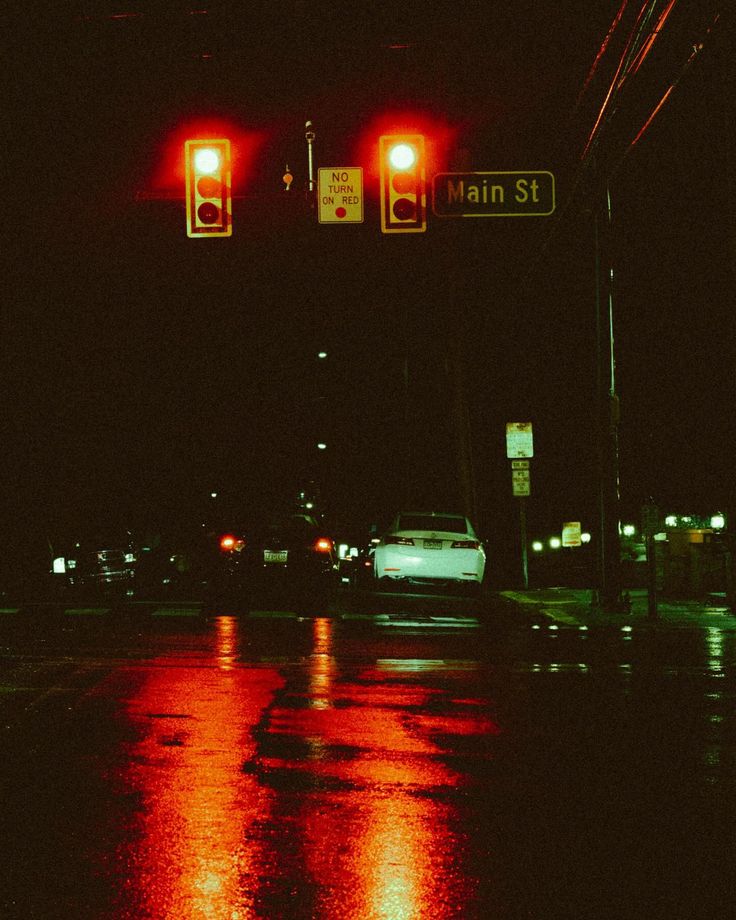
340,194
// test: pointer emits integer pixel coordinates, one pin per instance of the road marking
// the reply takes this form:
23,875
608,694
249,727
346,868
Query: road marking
284,614
176,612
87,611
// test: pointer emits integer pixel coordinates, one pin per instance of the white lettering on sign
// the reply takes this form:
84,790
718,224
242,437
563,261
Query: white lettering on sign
474,192
522,194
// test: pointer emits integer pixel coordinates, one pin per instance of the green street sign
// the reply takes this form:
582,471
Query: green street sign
493,194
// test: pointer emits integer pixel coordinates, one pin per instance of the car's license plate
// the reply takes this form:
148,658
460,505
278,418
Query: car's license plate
270,555
433,544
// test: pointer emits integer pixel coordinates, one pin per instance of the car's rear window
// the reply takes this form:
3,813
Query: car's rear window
433,522
296,526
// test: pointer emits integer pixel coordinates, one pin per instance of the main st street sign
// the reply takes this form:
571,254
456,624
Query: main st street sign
493,194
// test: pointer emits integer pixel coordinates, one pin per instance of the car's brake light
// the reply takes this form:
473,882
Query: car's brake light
230,543
398,541
323,545
465,544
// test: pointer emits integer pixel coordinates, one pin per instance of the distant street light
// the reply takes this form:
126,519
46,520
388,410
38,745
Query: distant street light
321,355
321,446
555,542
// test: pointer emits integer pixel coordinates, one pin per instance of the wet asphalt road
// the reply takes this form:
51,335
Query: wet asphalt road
394,759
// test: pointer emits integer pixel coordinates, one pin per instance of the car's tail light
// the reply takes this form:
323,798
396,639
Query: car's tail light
398,541
323,545
465,544
230,543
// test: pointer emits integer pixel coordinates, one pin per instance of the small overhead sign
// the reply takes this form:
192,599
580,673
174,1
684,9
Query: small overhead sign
340,195
493,194
519,441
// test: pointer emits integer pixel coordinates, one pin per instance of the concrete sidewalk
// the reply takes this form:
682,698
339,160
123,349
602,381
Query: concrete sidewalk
575,607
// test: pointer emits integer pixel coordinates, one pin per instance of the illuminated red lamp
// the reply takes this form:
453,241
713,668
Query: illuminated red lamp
323,545
230,543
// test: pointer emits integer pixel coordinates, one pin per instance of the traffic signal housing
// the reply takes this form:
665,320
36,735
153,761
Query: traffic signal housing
208,188
403,184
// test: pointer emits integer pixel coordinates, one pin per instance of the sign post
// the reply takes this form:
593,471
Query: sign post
519,448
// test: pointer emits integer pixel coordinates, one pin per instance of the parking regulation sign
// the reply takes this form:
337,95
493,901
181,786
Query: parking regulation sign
340,195
519,441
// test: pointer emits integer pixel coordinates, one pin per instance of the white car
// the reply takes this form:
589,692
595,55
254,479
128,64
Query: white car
425,547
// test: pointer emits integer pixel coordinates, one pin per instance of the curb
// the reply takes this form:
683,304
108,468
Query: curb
564,607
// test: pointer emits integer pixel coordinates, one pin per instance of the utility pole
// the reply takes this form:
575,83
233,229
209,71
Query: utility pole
726,87
609,549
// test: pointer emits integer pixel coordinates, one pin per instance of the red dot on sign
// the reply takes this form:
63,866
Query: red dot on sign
340,212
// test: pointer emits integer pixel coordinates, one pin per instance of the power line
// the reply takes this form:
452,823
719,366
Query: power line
637,49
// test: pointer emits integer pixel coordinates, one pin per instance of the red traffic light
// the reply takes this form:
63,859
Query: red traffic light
208,187
403,185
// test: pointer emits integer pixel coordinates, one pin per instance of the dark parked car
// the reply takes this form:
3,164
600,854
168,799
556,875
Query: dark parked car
100,564
291,557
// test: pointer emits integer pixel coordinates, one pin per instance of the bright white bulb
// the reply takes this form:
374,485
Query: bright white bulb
402,156
207,160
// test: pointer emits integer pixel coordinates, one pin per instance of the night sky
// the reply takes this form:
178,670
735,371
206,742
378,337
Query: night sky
143,370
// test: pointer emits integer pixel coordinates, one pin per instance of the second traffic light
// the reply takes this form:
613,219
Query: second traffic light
207,167
403,192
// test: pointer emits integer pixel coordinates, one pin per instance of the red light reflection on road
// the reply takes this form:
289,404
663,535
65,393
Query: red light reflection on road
381,843
344,796
321,665
190,854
